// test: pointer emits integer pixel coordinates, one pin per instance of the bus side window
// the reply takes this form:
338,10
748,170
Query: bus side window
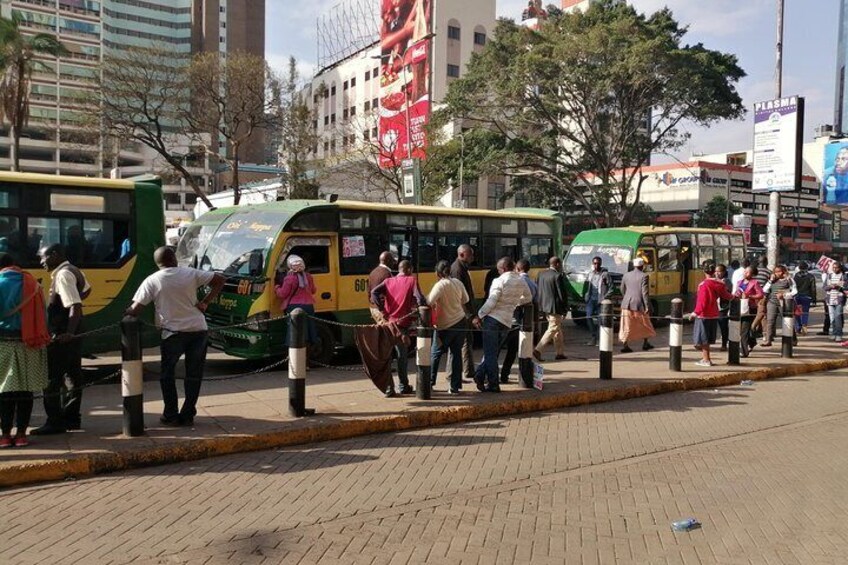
667,259
316,257
650,257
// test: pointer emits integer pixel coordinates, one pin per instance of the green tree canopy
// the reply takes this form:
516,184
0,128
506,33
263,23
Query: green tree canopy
578,106
717,212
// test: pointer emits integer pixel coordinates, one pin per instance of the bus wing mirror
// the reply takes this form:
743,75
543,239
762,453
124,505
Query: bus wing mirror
255,263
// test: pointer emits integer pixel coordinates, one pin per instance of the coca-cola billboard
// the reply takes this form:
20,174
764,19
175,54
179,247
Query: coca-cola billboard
404,79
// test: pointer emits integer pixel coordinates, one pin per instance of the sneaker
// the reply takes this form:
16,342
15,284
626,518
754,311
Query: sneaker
765,344
186,421
6,441
390,393
804,330
592,343
406,389
504,380
47,430
481,385
561,357
453,391
492,389
703,363
170,422
21,441
723,348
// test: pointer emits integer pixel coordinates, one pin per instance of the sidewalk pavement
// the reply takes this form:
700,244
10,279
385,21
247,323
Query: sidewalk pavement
251,413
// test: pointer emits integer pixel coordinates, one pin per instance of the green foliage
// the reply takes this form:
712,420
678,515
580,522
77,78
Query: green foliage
569,106
715,213
297,136
18,52
642,215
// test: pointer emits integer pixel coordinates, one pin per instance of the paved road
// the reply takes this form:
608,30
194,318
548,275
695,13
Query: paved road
762,467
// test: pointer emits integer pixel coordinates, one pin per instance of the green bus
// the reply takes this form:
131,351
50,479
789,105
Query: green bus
340,243
672,260
110,229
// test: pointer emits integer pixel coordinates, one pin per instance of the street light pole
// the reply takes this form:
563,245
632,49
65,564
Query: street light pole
461,168
774,197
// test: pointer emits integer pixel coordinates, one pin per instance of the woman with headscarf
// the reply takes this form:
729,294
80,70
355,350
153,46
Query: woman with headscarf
296,291
23,350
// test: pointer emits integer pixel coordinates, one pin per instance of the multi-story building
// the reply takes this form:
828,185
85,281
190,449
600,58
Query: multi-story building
840,113
345,96
90,28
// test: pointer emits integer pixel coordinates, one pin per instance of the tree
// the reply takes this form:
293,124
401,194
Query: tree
298,137
233,98
581,104
643,215
18,60
145,97
716,212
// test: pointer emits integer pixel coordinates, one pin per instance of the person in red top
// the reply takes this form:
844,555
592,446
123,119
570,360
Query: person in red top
398,298
296,291
706,309
749,288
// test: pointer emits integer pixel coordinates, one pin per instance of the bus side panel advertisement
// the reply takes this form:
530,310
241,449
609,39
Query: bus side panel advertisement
404,79
778,137
835,177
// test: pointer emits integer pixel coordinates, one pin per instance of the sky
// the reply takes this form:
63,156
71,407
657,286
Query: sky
746,28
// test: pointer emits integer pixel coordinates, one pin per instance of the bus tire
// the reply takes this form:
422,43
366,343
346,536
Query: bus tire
324,349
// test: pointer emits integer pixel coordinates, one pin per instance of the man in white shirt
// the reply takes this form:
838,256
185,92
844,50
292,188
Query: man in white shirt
738,275
173,290
68,288
508,292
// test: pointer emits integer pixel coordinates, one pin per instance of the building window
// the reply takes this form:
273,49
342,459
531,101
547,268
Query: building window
453,32
344,86
315,98
376,72
495,196
374,103
367,105
222,9
353,111
469,194
333,90
332,118
479,38
367,76
223,25
326,120
453,71
326,146
374,133
221,40
344,114
333,147
366,135
353,82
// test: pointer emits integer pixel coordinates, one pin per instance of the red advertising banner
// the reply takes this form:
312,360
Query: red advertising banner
404,79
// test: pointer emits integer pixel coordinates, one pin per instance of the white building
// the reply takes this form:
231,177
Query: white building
346,95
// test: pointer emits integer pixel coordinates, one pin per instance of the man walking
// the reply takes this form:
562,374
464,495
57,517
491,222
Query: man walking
398,298
597,287
173,290
806,297
508,292
63,395
553,303
522,267
459,271
635,308
380,273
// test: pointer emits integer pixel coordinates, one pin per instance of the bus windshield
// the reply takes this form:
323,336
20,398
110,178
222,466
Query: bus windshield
614,258
228,247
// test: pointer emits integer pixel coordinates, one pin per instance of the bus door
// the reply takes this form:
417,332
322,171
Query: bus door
650,257
321,258
669,273
403,243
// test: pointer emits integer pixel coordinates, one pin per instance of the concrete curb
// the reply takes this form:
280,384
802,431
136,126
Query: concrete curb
190,450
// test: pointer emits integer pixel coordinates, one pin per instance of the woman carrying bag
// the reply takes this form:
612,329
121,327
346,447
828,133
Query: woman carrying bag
296,291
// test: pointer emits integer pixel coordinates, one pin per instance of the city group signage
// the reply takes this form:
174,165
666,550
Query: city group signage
834,190
778,137
690,178
404,79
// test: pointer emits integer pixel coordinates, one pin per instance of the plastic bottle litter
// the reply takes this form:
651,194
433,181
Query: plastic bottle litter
747,383
685,525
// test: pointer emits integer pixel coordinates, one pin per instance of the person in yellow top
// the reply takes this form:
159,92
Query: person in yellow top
447,299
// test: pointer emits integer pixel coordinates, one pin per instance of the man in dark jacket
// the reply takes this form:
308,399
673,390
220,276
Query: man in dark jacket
553,303
806,285
380,273
459,271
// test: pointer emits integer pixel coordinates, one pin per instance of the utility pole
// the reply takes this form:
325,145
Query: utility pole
773,237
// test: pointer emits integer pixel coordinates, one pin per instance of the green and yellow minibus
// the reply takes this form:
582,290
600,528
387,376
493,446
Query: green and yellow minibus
673,257
340,243
109,228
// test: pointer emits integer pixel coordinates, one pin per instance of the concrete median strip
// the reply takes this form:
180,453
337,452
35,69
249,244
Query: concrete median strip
326,428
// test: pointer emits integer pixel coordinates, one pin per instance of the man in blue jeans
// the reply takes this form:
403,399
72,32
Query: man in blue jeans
597,287
179,314
508,292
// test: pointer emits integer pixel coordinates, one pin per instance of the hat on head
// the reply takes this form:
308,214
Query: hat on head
638,262
296,263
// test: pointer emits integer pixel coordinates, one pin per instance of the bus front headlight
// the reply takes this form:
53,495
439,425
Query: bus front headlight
258,322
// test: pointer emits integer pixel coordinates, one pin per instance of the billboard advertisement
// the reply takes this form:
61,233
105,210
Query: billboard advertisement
835,177
405,27
778,137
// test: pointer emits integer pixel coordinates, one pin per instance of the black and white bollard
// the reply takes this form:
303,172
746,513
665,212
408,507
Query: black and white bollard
606,340
675,336
298,357
734,333
525,346
788,327
423,352
132,378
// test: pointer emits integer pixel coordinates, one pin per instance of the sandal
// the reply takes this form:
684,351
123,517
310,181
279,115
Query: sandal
21,441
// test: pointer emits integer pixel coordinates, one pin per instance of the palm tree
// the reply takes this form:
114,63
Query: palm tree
18,54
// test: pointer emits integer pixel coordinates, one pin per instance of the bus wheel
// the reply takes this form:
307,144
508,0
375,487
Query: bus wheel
322,351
